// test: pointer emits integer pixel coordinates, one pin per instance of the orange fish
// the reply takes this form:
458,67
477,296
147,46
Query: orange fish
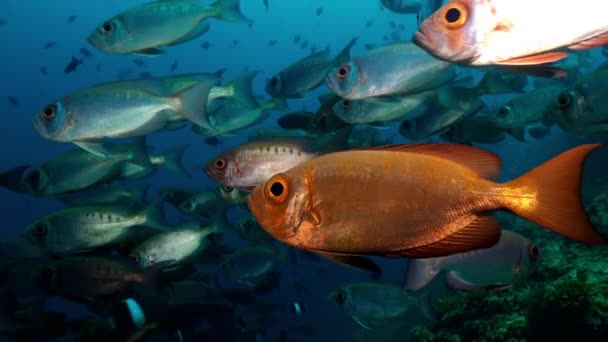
417,201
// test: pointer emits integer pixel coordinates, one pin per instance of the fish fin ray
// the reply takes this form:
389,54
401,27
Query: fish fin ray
420,273
542,58
193,102
353,261
97,148
483,232
150,52
557,203
591,43
486,164
360,322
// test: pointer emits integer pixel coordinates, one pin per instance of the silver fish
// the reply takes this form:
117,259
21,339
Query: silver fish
511,260
144,28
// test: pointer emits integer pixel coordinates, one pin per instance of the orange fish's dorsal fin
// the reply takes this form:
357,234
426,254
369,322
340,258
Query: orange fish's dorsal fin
594,42
486,164
484,232
542,58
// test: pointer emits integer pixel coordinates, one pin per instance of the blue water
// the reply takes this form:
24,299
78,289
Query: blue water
29,24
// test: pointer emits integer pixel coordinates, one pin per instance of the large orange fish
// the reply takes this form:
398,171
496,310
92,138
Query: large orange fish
417,201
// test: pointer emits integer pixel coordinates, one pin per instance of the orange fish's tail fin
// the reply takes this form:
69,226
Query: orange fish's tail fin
552,196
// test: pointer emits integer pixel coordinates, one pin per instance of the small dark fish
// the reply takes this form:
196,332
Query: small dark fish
74,63
369,46
145,75
392,24
213,141
304,44
13,100
369,24
98,67
173,66
43,70
385,38
266,4
139,62
72,18
313,49
298,308
401,27
319,11
272,43
49,44
296,38
2,22
205,45
235,42
85,52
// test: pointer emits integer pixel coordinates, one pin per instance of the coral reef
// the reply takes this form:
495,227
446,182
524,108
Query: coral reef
565,299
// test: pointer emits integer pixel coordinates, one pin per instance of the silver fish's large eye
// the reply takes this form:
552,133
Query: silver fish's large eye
346,104
504,111
564,100
340,296
41,229
49,112
343,71
107,28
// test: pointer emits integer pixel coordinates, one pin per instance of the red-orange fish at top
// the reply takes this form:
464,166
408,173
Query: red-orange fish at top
422,200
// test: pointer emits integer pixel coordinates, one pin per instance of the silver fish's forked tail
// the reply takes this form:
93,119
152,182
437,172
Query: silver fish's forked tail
230,10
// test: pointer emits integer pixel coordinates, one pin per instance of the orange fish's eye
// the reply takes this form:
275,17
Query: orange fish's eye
455,15
343,71
533,251
220,164
277,189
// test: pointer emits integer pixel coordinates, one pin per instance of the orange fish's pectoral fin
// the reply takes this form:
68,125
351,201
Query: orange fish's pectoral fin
456,282
353,261
483,232
486,164
552,198
591,43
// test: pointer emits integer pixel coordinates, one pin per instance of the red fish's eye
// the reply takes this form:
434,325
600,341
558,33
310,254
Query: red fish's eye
564,100
220,164
533,251
455,15
343,72
49,112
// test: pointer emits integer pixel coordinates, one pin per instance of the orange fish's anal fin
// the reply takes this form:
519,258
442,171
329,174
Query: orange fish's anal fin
591,43
486,164
483,232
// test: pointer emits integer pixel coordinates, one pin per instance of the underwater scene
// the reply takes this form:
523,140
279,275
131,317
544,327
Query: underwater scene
304,170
